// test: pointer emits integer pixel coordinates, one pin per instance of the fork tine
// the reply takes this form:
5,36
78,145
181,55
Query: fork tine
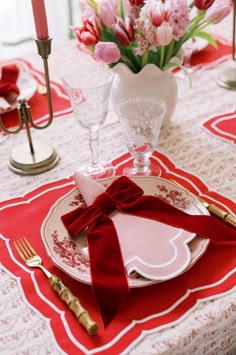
19,250
24,249
29,247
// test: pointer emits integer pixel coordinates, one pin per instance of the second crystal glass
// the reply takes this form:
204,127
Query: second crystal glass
89,89
141,119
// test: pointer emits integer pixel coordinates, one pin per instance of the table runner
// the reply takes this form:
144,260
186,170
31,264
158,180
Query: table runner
146,308
38,103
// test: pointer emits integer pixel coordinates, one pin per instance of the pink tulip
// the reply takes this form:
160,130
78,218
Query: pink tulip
124,31
107,52
217,12
164,34
203,4
108,13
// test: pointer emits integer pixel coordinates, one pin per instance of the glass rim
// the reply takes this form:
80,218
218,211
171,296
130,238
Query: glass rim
141,98
101,68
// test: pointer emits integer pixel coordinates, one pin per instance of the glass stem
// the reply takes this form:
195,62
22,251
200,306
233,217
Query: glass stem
94,145
141,164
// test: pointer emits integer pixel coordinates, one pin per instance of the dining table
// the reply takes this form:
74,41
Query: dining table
192,313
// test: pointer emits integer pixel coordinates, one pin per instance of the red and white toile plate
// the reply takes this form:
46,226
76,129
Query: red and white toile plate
173,255
27,86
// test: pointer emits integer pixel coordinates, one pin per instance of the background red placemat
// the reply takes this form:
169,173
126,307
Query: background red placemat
211,55
223,126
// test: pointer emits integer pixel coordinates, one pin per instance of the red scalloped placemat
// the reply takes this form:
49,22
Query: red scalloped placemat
146,308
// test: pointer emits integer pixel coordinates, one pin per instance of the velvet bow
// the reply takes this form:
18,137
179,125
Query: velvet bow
8,80
108,275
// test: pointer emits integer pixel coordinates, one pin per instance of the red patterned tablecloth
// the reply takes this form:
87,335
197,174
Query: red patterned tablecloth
192,314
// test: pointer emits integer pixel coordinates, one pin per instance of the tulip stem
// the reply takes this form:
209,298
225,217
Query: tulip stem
126,60
144,59
170,51
162,53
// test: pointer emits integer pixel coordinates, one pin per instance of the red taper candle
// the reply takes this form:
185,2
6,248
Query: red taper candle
40,19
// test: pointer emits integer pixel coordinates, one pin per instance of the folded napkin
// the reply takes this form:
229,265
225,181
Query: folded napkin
153,257
8,88
108,274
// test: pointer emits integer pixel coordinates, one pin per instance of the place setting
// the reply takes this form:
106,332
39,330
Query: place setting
29,85
169,248
181,255
200,55
15,84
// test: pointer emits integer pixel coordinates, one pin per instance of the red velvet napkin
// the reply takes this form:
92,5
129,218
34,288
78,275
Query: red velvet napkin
9,76
109,281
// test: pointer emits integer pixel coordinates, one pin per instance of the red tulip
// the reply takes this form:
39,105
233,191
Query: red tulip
88,31
124,31
136,2
203,4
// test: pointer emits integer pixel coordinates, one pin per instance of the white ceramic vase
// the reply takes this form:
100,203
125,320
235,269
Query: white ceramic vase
150,81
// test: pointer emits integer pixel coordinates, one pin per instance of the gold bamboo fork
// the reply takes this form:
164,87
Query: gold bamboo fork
32,259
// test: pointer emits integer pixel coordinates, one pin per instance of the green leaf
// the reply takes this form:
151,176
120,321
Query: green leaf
107,35
129,57
154,58
207,37
122,9
174,65
191,5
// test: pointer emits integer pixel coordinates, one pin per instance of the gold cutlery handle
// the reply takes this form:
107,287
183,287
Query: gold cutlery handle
224,216
231,220
74,304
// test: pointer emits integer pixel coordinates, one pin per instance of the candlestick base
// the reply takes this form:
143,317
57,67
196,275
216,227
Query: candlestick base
227,79
23,162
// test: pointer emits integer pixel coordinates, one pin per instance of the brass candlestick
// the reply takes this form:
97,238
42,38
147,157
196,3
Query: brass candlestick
33,158
227,79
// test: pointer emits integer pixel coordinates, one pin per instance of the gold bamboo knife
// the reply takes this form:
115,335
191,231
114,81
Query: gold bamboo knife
215,211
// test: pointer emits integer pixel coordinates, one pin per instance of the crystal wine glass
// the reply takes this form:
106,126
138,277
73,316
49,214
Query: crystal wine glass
89,89
141,119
